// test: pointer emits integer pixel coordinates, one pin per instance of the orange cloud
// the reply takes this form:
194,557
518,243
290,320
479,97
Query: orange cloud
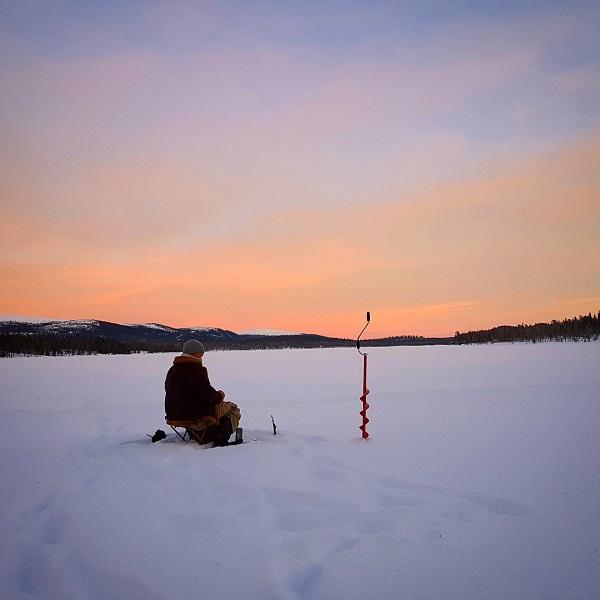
519,246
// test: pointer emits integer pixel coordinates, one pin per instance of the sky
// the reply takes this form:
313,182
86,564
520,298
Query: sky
291,165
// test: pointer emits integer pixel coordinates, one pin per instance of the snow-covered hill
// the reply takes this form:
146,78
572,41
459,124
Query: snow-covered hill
480,479
154,332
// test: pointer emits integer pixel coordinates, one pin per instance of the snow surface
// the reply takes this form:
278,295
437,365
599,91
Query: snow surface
51,324
480,479
74,324
151,326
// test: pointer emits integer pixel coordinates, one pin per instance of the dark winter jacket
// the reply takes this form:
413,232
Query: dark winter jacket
189,395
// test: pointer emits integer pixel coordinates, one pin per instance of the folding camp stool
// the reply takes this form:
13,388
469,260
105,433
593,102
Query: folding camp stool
189,433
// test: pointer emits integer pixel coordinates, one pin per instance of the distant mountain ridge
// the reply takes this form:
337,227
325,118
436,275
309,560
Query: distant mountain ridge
150,332
92,335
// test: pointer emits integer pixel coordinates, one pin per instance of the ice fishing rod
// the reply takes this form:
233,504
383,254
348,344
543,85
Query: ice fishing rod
274,425
365,391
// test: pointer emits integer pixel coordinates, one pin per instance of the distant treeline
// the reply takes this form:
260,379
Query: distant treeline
405,340
582,328
52,344
63,345
56,344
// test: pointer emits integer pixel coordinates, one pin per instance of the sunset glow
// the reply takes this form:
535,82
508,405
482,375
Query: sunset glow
291,165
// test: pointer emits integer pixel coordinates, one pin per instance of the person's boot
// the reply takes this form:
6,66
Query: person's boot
239,436
223,432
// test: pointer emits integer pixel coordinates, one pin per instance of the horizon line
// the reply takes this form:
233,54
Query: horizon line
14,318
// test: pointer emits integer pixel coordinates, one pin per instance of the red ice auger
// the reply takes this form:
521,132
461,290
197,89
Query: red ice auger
365,391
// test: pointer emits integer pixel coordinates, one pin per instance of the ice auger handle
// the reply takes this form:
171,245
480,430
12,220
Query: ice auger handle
363,329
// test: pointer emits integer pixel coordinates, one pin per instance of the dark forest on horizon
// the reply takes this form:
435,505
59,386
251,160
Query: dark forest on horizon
56,344
581,328
584,328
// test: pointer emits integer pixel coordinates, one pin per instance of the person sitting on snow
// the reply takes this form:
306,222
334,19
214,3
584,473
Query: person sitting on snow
192,402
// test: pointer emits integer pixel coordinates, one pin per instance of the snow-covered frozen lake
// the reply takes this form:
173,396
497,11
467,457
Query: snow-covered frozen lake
481,479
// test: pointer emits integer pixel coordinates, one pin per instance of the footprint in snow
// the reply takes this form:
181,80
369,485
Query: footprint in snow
499,505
